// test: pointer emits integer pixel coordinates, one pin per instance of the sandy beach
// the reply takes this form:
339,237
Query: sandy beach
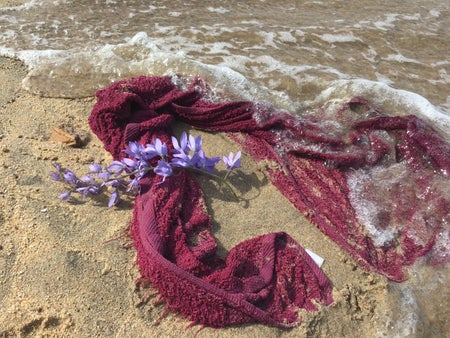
62,276
65,269
68,269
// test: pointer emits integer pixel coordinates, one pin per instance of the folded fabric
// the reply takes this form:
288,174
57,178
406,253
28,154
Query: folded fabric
312,160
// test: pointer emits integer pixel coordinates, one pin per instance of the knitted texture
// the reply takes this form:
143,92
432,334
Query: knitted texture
266,279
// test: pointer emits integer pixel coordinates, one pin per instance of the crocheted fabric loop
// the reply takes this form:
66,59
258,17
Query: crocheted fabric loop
267,278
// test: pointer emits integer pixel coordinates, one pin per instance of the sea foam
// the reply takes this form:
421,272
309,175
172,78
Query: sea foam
393,101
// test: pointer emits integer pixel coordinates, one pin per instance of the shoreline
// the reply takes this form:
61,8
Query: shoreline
62,276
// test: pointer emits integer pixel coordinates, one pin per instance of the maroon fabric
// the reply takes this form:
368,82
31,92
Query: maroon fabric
309,159
265,279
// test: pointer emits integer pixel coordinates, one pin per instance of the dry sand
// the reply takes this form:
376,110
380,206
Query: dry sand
60,275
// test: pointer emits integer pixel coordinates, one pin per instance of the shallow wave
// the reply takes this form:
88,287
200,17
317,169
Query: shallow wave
294,49
393,101
72,74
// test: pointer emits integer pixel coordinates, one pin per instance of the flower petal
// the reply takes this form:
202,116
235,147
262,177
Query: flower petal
65,196
114,199
163,169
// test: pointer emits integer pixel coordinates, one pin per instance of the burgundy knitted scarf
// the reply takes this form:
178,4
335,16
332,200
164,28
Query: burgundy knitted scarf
266,279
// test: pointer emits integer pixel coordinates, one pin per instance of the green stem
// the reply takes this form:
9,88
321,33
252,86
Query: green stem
219,179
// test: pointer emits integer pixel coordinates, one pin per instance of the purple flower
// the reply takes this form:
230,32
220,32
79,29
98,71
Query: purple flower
135,150
182,146
83,191
130,163
88,180
195,143
232,162
104,176
204,163
158,148
116,167
70,177
89,190
133,186
161,148
65,196
95,168
95,189
55,176
125,174
115,183
189,154
114,199
57,167
163,169
149,152
182,160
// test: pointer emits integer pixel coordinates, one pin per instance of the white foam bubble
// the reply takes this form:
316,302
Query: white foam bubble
368,211
7,52
34,58
371,55
72,73
268,38
26,5
333,38
435,13
150,9
441,248
219,10
383,79
175,14
400,58
444,75
287,37
401,102
413,17
406,326
388,23
9,34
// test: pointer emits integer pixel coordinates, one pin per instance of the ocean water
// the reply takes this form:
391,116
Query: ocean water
297,55
291,50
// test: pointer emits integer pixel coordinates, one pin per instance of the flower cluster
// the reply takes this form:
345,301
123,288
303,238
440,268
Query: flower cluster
124,175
